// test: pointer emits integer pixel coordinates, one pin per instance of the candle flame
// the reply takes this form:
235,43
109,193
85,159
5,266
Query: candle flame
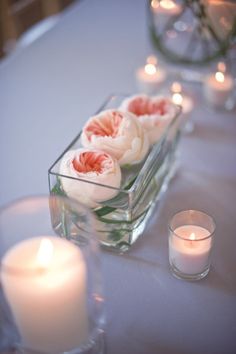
221,67
167,4
45,252
177,98
150,69
176,87
219,76
154,4
152,60
192,237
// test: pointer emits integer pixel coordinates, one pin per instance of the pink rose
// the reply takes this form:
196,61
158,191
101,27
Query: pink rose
93,166
154,113
119,134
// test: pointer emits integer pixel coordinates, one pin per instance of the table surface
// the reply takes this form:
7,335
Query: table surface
47,91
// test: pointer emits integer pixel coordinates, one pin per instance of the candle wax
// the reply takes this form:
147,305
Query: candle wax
48,301
149,83
187,255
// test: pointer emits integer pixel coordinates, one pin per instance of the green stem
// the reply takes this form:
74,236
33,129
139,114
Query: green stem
110,221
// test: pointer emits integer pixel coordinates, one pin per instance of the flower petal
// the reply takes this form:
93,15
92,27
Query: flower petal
84,165
154,113
122,129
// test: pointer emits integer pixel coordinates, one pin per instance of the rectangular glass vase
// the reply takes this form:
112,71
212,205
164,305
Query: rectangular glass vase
122,219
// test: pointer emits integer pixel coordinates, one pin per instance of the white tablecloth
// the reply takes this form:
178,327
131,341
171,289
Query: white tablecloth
47,92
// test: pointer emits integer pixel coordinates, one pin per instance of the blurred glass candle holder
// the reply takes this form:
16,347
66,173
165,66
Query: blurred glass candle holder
50,278
164,10
180,99
218,88
151,76
190,243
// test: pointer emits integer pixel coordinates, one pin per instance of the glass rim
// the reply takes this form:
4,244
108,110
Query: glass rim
199,212
9,207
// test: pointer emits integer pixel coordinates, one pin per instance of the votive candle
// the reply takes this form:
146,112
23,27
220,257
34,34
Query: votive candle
190,244
150,77
218,87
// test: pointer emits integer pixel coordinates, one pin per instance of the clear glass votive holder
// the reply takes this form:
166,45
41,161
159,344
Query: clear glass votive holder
51,297
190,243
218,98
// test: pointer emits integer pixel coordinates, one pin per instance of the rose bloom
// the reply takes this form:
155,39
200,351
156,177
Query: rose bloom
154,113
93,166
118,133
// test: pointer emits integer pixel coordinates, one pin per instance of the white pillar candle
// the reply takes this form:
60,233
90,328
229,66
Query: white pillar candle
44,281
150,77
218,88
189,250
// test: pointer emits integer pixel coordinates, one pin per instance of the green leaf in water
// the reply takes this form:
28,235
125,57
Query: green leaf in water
57,189
116,235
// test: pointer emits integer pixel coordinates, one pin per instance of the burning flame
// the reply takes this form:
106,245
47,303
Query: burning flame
150,69
221,67
152,60
192,237
154,4
177,98
176,87
167,4
219,76
45,253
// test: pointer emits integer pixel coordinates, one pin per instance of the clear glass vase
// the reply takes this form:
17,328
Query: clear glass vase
122,219
51,297
192,31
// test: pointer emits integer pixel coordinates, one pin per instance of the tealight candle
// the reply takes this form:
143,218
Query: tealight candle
190,244
150,77
218,87
44,281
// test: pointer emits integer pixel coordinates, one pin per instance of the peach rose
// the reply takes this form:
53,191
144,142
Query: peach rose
119,134
154,113
93,166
